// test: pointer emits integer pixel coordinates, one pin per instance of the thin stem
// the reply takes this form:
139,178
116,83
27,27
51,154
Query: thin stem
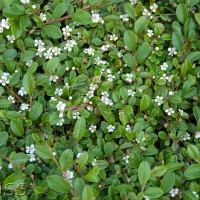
14,94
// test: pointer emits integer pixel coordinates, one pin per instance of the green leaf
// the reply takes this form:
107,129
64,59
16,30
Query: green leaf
92,2
16,29
24,22
79,186
82,160
87,193
92,175
197,17
193,152
108,149
175,99
35,111
194,56
129,60
144,172
28,83
79,129
13,12
52,31
158,171
27,55
16,128
52,65
189,93
141,24
19,158
143,51
43,151
9,54
188,195
130,40
58,184
177,40
4,103
82,17
129,9
168,182
192,172
182,13
144,103
59,10
107,114
153,192
3,138
192,2
66,159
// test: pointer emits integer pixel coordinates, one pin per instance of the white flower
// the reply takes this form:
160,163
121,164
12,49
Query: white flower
180,112
53,98
98,61
173,192
48,54
94,162
186,137
58,91
12,99
172,51
96,18
147,13
133,2
124,17
159,100
128,128
110,128
66,31
150,33
30,149
153,7
11,38
169,111
5,78
38,43
119,54
78,155
110,77
164,66
43,16
146,198
70,174
113,37
25,1
61,122
32,157
105,47
131,93
93,87
164,77
56,51
171,93
24,106
54,78
126,159
197,134
10,165
60,106
76,115
28,63
4,23
22,92
93,128
67,85
89,51
54,153
34,6
157,48
195,193
90,94
129,77
69,45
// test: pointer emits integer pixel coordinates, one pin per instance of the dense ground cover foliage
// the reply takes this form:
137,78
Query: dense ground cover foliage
99,99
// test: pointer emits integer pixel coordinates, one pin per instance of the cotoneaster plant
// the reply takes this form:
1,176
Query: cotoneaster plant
99,99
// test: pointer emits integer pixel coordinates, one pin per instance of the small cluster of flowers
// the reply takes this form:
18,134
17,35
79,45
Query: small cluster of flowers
25,1
174,192
91,91
30,151
152,10
133,2
105,98
66,32
124,17
109,76
61,108
11,38
98,61
90,51
129,78
52,51
4,24
96,17
70,44
4,80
